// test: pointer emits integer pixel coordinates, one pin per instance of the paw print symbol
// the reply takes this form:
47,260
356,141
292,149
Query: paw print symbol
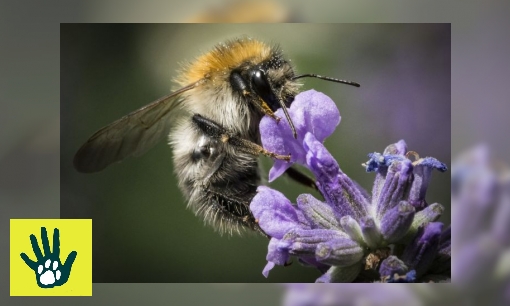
49,271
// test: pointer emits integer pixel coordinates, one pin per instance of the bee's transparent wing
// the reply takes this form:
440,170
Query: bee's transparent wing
131,135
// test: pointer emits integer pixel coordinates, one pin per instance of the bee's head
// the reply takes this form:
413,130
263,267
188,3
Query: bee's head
270,81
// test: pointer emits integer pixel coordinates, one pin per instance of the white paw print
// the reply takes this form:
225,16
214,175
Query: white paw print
47,275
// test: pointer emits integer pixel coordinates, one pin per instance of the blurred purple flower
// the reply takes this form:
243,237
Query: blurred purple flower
481,227
349,231
349,294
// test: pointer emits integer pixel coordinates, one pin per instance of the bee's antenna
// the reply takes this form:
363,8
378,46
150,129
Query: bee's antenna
326,78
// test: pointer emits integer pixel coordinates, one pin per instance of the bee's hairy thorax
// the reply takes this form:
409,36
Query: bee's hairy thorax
218,180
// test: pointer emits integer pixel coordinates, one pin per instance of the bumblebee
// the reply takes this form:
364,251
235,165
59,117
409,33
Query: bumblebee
212,124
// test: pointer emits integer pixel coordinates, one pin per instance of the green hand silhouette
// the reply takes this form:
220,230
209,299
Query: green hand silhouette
49,271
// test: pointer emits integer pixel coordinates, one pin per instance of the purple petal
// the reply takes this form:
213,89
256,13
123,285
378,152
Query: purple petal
274,212
421,177
319,160
397,221
277,137
314,112
311,111
432,163
269,266
338,189
279,167
303,220
275,256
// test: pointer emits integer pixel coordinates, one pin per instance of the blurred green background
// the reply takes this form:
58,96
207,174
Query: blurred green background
142,231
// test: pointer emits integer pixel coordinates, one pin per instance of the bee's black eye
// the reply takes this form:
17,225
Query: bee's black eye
261,85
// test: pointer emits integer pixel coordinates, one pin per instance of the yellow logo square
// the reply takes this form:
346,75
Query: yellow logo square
51,257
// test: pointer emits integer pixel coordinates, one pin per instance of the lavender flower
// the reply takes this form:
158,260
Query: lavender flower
351,233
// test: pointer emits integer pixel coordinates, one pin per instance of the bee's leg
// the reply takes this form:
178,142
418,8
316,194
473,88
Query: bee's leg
301,178
253,148
262,106
235,209
216,131
266,109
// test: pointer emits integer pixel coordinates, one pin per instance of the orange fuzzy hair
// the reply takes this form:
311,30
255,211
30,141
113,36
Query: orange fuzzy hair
223,58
